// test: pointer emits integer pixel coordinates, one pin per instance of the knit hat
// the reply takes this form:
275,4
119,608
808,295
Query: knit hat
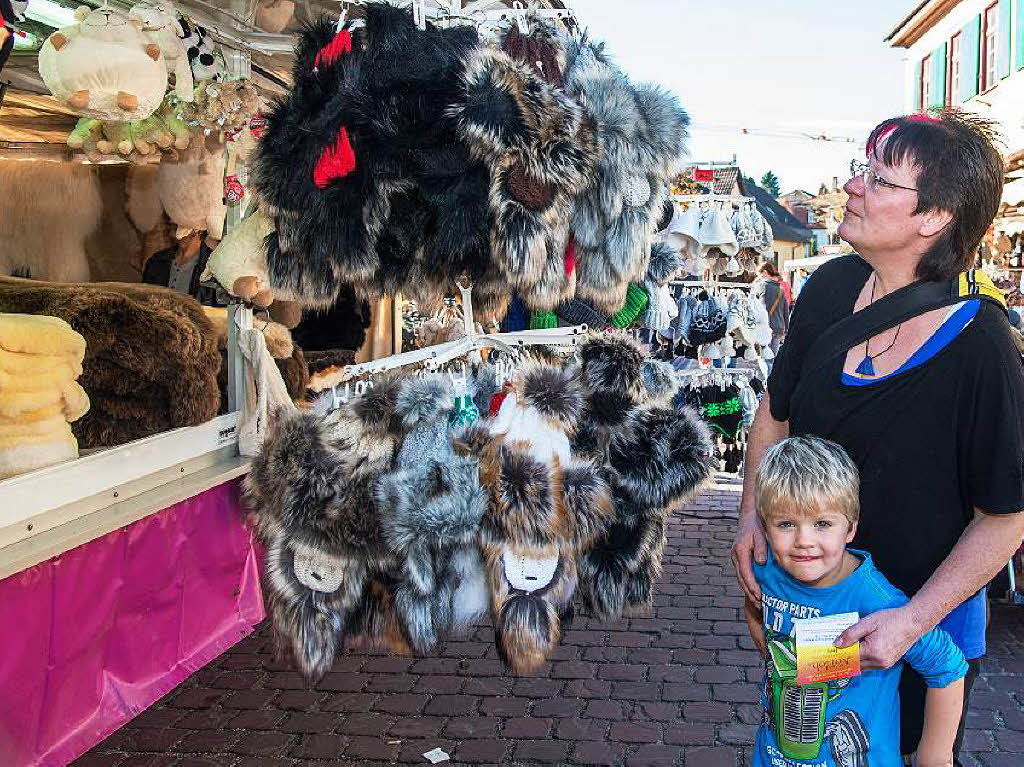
576,311
636,302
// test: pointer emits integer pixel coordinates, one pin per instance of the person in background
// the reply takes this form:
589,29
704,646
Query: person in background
777,298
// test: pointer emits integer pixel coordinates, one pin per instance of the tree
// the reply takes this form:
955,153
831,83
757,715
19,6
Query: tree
770,183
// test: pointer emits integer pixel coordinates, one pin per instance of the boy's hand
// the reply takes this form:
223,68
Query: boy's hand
884,637
750,539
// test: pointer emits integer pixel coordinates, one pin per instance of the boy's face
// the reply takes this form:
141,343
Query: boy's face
810,547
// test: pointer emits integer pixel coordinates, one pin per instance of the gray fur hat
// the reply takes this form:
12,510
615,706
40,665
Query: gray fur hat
641,132
430,507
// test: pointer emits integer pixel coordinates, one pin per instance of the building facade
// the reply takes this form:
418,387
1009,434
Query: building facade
969,54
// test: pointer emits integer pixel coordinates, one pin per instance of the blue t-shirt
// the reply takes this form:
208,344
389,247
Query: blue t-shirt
847,722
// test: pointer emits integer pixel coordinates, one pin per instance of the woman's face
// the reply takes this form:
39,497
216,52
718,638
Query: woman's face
880,218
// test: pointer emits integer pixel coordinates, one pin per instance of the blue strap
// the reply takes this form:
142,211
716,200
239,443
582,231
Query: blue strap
940,339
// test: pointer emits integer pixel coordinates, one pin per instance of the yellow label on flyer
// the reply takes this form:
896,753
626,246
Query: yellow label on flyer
817,660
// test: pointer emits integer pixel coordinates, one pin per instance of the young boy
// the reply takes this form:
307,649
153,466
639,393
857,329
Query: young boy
807,497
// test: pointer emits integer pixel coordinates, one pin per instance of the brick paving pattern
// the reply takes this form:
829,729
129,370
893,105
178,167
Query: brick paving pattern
678,687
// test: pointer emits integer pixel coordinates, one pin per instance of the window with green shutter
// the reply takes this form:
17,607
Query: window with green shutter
1018,36
937,90
1003,36
970,58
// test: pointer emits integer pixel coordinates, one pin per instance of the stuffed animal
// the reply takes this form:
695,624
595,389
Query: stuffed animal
239,263
137,140
273,15
223,106
192,188
159,20
201,50
104,66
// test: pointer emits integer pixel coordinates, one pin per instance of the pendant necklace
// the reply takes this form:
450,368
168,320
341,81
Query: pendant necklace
867,367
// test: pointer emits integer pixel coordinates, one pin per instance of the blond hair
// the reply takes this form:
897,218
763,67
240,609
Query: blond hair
804,475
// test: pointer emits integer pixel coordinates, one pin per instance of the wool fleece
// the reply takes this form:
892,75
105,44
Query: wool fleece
641,133
654,457
151,355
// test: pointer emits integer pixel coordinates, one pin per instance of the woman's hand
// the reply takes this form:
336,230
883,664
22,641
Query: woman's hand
884,637
750,539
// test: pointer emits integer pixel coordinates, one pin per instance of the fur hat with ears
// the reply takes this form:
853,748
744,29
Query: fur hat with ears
539,148
430,508
540,516
311,493
654,456
641,132
364,123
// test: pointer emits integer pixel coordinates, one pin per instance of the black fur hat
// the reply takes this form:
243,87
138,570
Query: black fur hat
363,130
654,457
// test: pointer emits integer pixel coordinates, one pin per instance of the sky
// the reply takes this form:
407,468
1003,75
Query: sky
774,65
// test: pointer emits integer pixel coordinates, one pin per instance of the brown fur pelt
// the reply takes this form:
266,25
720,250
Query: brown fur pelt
151,356
48,212
114,249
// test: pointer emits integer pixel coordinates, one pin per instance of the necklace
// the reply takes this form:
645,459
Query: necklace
867,367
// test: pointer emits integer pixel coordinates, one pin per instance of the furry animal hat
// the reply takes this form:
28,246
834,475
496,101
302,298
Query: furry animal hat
542,512
430,507
311,493
362,130
539,148
641,132
654,457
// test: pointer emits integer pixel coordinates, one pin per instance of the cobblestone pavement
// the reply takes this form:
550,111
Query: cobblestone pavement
676,688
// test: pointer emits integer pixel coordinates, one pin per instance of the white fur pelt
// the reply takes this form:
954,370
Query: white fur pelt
192,190
142,198
47,212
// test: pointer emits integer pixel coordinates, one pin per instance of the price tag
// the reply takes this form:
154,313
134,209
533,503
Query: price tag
817,660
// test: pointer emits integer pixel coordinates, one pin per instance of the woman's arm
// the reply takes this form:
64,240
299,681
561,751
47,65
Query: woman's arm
943,707
982,551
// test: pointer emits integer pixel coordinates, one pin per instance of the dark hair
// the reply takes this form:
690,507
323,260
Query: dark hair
769,268
959,171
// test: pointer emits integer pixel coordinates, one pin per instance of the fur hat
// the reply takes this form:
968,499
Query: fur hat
654,456
430,507
640,132
365,123
311,492
539,149
539,518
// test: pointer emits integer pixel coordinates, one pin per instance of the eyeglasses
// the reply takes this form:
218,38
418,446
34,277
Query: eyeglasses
872,180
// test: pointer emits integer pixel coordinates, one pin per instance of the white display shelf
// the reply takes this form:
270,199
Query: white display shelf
50,499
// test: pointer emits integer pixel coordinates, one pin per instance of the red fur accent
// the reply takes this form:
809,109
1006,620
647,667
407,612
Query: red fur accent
336,161
340,45
570,256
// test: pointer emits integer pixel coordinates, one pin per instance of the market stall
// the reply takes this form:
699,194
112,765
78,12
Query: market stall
223,192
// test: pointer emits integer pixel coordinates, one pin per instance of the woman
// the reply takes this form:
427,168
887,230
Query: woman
777,299
929,408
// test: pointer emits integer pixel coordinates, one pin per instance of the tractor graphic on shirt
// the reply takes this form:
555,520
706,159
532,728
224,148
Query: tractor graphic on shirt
797,713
